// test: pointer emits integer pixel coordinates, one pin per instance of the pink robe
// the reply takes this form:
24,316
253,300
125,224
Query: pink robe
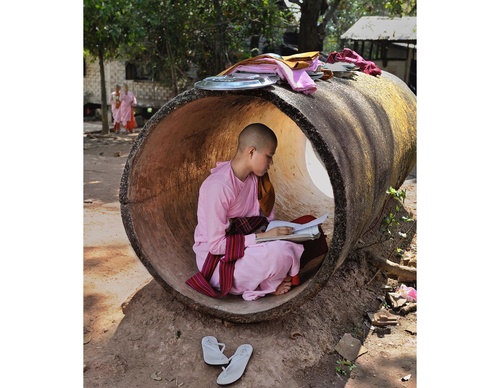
128,101
265,265
116,111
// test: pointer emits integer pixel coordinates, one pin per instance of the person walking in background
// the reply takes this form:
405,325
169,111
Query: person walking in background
128,101
115,108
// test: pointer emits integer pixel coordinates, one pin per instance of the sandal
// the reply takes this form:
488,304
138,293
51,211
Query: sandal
236,368
212,354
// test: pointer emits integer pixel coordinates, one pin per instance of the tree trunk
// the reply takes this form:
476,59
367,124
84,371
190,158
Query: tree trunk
173,74
104,99
254,43
308,33
312,33
220,52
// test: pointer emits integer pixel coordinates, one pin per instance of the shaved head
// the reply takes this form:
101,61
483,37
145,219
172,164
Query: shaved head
256,135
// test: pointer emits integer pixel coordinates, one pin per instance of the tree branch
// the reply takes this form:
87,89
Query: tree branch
404,273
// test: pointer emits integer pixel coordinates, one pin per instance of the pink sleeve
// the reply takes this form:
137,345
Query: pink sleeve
218,197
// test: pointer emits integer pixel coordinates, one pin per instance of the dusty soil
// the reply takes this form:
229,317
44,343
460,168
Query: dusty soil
137,335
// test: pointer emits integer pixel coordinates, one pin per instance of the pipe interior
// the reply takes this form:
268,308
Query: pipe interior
177,155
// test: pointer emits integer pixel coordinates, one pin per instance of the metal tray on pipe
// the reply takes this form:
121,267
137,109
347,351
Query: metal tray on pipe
237,81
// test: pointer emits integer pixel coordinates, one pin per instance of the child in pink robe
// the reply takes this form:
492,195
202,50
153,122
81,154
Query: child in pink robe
230,191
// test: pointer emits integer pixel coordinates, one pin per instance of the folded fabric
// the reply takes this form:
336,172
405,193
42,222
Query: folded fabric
301,60
296,61
293,69
351,56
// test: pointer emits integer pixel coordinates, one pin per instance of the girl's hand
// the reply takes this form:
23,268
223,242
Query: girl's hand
278,231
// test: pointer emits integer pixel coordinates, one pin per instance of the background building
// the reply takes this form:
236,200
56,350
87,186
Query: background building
390,43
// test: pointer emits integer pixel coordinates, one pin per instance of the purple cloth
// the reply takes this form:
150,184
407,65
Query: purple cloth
351,56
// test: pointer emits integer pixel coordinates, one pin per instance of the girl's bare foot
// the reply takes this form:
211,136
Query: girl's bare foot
284,287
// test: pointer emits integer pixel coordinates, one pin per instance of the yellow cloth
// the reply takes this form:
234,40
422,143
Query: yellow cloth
301,60
265,194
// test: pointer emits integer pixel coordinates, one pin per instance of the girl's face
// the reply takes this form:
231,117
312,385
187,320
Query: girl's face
262,159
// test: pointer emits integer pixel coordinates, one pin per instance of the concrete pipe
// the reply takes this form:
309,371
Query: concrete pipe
363,131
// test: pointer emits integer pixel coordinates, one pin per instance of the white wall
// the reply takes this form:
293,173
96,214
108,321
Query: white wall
148,93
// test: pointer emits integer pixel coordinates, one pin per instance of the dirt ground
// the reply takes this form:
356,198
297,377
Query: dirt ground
137,335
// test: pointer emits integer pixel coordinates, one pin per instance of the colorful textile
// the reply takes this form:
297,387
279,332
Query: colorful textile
235,249
131,124
351,56
292,68
128,101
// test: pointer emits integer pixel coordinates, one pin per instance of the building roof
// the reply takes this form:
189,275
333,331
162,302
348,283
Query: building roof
383,28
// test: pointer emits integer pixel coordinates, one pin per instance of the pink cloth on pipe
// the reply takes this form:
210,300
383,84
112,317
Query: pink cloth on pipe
264,265
298,79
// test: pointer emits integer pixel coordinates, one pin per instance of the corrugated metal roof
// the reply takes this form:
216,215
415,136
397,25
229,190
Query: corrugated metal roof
383,28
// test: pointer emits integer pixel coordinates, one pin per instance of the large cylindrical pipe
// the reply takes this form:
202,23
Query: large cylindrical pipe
363,131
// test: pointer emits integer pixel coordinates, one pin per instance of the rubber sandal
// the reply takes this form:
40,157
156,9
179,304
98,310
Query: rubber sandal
212,354
237,365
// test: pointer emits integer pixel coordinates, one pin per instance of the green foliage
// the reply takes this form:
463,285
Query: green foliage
170,37
176,36
393,219
344,367
107,26
400,195
401,7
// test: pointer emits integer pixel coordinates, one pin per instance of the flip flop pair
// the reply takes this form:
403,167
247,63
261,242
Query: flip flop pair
213,354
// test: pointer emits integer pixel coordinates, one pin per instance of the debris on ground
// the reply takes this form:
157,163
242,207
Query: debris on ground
406,378
383,318
350,348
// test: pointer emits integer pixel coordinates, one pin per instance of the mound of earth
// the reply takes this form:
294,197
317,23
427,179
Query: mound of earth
137,335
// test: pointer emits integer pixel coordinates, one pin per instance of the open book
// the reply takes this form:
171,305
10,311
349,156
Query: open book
302,232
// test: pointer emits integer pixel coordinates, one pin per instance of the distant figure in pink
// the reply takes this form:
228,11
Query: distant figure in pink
128,101
236,201
115,108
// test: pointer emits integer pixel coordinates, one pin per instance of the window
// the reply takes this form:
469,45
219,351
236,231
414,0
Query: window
138,72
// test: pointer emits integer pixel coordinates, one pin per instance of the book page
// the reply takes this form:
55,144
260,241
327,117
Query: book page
295,226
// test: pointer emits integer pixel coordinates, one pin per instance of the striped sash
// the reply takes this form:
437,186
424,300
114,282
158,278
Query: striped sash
235,249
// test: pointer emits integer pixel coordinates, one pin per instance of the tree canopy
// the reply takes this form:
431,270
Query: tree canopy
169,38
